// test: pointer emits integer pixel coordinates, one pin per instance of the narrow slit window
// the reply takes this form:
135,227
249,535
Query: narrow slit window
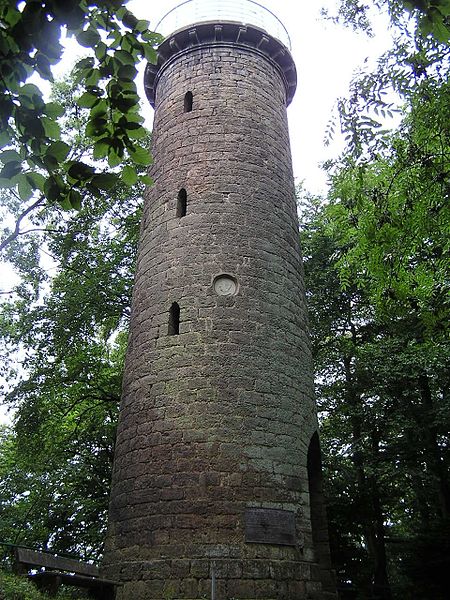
181,203
174,319
188,99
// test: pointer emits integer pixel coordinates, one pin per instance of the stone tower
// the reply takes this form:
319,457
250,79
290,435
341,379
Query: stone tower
217,486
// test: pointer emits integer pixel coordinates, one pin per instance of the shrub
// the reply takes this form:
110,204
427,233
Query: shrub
14,587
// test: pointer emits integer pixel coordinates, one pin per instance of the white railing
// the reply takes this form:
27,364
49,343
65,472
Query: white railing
246,12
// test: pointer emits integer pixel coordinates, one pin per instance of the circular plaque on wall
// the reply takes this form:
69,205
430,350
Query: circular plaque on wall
225,285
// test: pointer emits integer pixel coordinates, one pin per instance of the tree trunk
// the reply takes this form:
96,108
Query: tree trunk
430,436
373,525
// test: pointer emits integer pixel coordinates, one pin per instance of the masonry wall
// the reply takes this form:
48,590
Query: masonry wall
218,417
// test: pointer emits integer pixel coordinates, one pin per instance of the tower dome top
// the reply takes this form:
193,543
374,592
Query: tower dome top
246,12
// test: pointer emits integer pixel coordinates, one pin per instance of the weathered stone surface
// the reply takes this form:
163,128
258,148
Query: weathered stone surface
217,418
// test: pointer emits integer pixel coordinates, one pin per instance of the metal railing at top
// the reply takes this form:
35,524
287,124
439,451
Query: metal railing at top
247,12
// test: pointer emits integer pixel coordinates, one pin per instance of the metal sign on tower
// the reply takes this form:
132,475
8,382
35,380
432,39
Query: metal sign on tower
216,487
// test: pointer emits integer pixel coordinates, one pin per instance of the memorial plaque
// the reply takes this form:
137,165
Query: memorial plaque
225,285
270,526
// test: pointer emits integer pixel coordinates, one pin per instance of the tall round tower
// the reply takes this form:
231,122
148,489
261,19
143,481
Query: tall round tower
217,488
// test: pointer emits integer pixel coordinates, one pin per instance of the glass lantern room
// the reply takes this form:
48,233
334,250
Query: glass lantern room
247,12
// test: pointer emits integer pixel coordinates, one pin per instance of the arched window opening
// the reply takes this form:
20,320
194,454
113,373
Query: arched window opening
315,485
188,99
319,523
174,319
181,203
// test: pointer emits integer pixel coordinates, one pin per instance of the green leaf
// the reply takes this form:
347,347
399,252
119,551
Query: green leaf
43,67
129,20
153,39
30,90
36,180
64,202
99,110
113,158
142,26
60,150
100,50
96,127
129,175
150,54
50,162
54,188
83,68
146,179
140,155
74,199
93,77
11,169
6,183
88,38
54,110
9,156
51,128
87,100
121,12
127,72
124,104
85,64
80,171
137,133
105,181
101,149
116,39
5,138
11,16
24,188
124,57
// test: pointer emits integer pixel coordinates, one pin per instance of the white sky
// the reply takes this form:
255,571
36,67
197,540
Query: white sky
326,55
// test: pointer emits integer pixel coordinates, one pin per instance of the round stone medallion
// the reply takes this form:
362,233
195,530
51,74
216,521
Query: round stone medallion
225,285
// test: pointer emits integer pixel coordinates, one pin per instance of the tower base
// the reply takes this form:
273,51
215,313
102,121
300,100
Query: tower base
219,579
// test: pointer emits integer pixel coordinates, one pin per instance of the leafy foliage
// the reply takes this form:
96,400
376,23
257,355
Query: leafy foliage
383,395
13,587
395,212
375,97
36,162
431,17
377,268
390,191
377,261
70,325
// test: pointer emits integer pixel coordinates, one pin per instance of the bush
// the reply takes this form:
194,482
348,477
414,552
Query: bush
14,587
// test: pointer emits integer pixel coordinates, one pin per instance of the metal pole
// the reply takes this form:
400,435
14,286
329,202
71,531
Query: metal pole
213,582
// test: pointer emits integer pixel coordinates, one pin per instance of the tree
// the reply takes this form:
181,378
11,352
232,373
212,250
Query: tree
38,165
383,395
379,247
396,213
431,16
16,587
71,329
342,321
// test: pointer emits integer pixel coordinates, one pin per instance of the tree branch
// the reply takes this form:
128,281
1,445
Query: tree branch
12,236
